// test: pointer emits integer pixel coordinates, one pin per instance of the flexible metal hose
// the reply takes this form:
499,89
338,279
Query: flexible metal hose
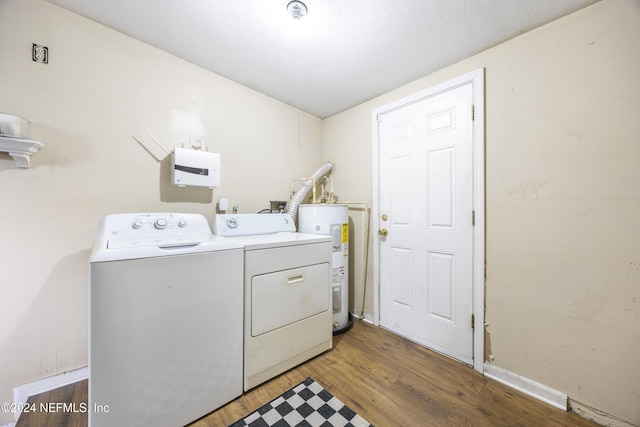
303,192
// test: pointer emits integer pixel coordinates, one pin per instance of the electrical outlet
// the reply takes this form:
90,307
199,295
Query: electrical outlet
40,54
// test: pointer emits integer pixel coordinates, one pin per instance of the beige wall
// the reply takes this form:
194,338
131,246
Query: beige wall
563,175
563,200
99,90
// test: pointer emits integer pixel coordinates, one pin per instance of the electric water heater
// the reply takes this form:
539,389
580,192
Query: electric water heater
332,220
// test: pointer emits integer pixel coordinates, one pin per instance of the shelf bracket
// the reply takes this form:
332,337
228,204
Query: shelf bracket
20,150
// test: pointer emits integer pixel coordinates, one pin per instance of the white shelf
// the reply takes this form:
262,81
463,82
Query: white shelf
20,149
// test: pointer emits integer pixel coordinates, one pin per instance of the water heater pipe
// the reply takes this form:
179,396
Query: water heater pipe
366,227
303,192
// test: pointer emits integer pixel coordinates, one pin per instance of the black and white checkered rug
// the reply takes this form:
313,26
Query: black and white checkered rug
306,405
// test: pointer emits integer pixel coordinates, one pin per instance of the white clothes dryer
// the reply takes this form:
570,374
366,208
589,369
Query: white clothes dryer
165,321
287,288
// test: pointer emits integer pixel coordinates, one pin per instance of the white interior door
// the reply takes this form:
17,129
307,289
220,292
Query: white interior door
426,218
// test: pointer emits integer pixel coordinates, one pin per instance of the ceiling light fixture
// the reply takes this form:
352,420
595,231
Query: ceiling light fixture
297,9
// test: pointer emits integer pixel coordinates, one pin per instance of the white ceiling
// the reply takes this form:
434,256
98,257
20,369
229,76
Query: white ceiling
341,54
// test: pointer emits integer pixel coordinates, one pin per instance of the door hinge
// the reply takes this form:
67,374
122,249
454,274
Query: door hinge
473,112
473,218
473,321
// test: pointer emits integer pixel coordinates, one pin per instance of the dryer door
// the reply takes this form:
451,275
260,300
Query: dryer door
285,297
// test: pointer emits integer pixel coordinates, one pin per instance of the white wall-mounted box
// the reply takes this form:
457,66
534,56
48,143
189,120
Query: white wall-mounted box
195,168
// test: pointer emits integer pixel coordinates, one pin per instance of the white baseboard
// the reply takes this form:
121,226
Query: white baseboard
595,415
9,425
366,317
527,386
22,392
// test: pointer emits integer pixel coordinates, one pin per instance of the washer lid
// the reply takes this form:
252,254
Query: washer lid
122,250
161,242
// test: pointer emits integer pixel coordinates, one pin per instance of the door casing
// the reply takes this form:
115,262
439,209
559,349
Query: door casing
476,78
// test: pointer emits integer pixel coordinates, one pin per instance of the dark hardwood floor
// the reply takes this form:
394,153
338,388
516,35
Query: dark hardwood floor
388,380
75,394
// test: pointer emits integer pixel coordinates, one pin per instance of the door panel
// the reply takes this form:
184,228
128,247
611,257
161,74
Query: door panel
426,191
441,286
401,291
440,196
401,190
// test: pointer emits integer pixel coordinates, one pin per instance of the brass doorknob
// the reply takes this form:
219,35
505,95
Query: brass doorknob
383,232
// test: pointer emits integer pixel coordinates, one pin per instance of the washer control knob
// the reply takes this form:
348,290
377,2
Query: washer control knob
182,223
232,223
137,224
160,224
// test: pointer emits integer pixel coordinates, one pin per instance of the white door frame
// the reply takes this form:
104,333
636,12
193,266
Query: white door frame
476,78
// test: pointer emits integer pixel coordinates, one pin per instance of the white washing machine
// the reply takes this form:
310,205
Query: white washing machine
165,321
287,285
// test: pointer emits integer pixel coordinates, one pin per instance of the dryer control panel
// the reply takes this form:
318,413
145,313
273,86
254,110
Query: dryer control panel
231,225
